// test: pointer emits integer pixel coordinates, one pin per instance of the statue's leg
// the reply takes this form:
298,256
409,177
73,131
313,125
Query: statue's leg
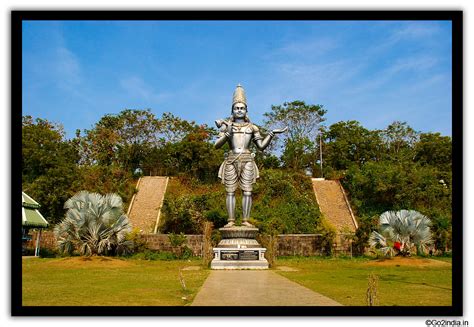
230,205
246,205
230,181
246,180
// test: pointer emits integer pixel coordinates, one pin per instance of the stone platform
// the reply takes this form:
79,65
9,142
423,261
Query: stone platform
238,232
239,264
239,250
239,243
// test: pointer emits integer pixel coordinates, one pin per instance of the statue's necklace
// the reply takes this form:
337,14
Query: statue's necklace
240,125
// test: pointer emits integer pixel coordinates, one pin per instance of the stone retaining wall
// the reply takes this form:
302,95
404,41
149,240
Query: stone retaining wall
310,244
160,242
287,245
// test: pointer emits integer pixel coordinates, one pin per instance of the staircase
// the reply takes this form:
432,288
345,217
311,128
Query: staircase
334,205
145,207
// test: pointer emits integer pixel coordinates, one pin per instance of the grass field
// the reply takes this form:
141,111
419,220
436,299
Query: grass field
125,282
402,281
108,281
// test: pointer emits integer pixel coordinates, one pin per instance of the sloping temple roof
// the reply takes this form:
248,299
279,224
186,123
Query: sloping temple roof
31,217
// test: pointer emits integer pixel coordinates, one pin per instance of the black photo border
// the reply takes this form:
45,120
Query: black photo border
455,16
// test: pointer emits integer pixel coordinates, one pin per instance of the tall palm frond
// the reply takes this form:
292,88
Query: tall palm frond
377,240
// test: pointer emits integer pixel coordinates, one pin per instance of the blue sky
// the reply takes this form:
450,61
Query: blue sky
373,72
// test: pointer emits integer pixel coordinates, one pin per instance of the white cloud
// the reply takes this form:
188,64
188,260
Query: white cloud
415,30
385,76
308,47
137,87
421,32
414,64
67,68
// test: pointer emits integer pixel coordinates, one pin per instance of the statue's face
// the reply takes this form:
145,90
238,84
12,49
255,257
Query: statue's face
239,110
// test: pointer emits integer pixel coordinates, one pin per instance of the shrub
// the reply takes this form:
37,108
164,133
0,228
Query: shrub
401,231
94,225
361,238
180,215
328,236
138,243
207,252
283,198
47,253
178,243
154,255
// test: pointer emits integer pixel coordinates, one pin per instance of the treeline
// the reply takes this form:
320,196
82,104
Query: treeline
388,169
392,169
109,157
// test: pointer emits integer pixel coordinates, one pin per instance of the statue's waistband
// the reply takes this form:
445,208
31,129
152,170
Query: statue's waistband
239,156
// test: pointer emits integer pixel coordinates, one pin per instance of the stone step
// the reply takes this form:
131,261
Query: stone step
332,203
146,204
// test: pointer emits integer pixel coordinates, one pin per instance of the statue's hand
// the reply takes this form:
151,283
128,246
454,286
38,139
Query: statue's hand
228,130
219,123
222,123
280,130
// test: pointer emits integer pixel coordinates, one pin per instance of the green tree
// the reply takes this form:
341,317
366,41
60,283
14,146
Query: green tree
266,160
434,150
348,143
107,179
442,232
284,201
173,129
382,186
181,215
43,148
361,238
184,147
194,156
304,124
298,153
400,140
49,166
124,139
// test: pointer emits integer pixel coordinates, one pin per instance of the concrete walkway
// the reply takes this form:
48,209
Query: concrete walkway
256,288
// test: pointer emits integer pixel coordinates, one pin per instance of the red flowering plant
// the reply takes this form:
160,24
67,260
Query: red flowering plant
401,232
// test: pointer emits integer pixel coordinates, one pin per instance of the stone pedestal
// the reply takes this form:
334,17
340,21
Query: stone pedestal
239,249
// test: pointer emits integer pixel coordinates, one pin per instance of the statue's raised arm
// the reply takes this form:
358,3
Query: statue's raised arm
279,131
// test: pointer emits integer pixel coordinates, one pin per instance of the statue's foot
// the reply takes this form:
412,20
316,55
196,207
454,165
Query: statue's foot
247,224
230,224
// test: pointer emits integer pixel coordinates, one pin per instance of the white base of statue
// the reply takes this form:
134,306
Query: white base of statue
239,250
239,258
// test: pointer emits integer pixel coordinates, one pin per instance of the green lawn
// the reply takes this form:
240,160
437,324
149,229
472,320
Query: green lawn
107,281
402,281
130,282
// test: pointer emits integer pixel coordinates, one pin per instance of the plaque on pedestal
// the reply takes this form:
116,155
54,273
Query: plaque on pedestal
239,250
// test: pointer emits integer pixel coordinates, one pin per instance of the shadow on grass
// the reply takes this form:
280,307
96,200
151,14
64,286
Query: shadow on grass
401,279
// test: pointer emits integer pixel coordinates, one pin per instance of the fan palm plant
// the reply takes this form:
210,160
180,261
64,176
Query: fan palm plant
402,231
94,225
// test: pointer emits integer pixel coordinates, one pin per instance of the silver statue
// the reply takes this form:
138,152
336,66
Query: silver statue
239,168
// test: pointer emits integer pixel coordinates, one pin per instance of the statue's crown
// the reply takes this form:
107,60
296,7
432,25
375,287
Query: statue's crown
239,95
